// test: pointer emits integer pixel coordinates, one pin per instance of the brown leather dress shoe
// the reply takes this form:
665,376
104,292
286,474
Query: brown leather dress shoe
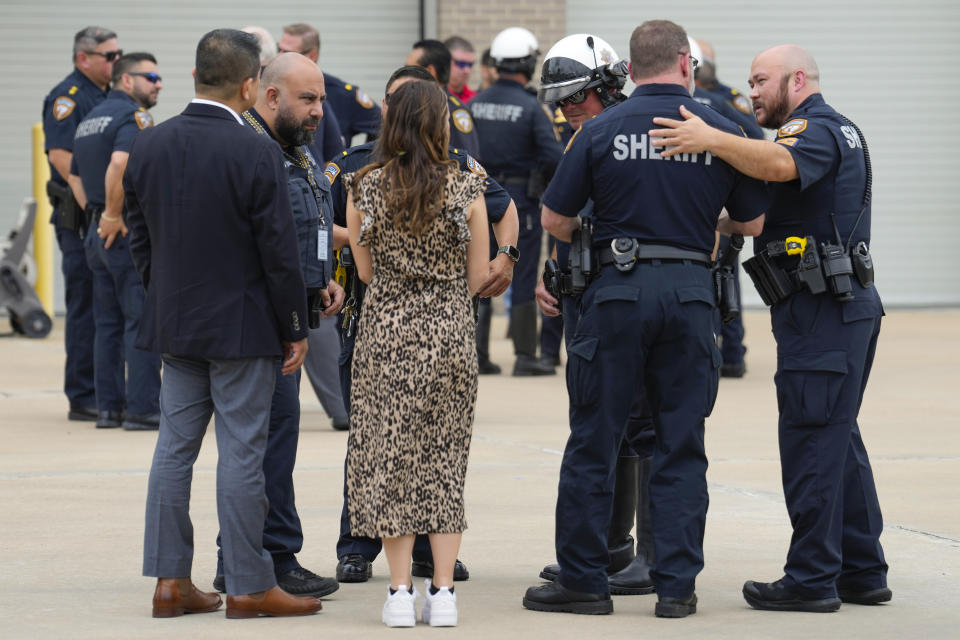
275,602
177,596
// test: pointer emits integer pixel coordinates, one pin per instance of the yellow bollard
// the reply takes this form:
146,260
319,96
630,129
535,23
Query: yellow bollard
42,229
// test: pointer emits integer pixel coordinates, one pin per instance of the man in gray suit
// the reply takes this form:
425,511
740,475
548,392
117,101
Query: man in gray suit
212,236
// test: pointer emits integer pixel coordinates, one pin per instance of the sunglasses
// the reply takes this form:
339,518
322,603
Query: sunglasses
109,56
574,98
303,53
149,76
463,64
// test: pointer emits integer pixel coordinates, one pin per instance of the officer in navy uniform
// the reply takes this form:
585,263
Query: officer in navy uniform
434,56
520,149
826,320
289,109
735,106
646,322
583,75
127,379
355,554
94,51
357,113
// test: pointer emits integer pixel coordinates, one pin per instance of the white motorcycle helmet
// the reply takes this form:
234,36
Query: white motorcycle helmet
515,50
697,53
580,62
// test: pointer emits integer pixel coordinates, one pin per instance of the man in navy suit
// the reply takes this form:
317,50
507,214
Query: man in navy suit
212,236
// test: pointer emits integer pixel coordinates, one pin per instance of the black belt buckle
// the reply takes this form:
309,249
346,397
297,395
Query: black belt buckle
624,253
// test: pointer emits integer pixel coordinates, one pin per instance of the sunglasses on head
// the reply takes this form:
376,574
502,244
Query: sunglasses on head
149,76
574,98
109,56
463,64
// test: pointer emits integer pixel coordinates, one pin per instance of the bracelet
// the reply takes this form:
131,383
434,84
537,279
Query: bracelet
110,218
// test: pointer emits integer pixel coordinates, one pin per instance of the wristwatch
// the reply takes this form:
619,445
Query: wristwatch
512,252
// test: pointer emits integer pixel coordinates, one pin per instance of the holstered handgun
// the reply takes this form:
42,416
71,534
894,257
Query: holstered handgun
725,280
72,216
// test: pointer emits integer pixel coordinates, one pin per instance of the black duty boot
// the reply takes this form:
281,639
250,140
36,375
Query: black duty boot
554,597
635,578
776,596
625,495
523,327
484,315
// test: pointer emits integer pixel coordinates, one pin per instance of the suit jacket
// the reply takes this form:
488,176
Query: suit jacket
213,238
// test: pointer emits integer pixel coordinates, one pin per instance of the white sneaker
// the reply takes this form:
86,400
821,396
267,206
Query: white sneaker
400,609
440,609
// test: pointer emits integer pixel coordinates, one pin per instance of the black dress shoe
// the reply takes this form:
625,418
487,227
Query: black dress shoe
529,366
83,414
775,596
676,607
633,580
303,582
424,569
134,422
486,367
109,419
733,369
353,567
220,584
556,598
865,596
340,424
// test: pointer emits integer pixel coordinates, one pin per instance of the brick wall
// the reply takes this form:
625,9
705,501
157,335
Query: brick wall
479,21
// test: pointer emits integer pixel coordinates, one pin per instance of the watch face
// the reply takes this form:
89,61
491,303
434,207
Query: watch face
512,252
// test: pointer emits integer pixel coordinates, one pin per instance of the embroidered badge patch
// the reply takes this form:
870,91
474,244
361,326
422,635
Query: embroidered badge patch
475,166
365,101
143,119
462,120
742,103
787,141
793,127
63,107
331,171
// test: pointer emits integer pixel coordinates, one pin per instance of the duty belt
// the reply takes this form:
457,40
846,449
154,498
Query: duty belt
625,252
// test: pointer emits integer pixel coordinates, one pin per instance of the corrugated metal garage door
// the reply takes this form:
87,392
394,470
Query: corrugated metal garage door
887,65
361,41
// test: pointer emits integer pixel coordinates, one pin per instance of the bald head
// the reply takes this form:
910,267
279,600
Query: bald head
291,98
790,58
780,79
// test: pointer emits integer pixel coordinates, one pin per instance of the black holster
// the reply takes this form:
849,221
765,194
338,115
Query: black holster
72,216
725,280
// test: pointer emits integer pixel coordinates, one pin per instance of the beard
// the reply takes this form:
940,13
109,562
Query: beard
292,131
147,99
776,112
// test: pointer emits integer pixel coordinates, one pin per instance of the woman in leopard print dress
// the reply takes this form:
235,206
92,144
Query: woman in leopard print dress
418,231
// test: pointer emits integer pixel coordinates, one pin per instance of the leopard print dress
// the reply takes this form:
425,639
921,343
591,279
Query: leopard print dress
414,370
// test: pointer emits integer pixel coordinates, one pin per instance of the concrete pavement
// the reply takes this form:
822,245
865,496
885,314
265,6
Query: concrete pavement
73,501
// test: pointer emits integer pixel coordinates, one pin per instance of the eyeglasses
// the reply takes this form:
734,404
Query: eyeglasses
694,63
463,64
574,98
109,56
149,76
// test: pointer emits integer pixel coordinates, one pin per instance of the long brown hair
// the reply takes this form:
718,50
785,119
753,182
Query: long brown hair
412,149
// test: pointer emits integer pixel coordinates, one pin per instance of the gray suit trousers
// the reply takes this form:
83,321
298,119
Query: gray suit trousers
322,367
238,393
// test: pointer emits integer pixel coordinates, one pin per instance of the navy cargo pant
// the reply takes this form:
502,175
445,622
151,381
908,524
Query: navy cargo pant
348,544
282,532
825,349
79,334
652,328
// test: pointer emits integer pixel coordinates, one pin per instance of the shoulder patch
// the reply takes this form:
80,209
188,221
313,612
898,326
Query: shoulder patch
143,119
73,90
331,171
787,141
558,117
63,107
462,120
475,166
742,103
793,127
365,101
572,138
